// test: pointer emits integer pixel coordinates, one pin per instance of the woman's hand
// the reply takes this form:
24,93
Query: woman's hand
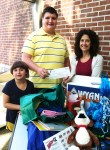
66,80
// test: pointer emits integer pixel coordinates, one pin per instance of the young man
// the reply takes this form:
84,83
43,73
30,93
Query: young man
45,50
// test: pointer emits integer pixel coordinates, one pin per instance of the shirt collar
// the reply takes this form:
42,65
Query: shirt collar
42,32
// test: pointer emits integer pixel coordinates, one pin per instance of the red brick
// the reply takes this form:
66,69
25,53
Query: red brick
86,20
107,17
93,4
86,10
107,39
105,53
80,25
108,6
98,18
106,48
97,28
105,33
86,1
105,2
82,6
91,24
107,67
77,2
99,8
103,23
101,13
92,14
104,43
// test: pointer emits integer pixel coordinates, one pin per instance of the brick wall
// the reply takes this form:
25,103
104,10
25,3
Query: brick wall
16,23
78,14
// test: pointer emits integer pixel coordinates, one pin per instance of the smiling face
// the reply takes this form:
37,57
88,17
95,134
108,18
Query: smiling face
49,22
85,43
19,73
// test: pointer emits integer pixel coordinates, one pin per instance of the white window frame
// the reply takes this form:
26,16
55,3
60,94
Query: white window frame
36,13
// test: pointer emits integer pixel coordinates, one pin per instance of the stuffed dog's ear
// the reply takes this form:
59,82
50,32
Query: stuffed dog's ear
71,137
91,123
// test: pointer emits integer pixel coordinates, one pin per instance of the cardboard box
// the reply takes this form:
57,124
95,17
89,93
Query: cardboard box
86,86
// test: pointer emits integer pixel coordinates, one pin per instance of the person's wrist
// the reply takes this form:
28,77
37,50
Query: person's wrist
64,85
37,69
71,77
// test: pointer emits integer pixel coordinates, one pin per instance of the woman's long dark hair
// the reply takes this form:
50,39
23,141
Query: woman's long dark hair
94,48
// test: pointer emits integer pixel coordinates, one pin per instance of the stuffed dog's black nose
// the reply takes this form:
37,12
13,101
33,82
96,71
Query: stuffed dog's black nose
81,116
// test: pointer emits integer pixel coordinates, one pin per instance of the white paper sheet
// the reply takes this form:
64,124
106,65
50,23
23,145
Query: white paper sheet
59,73
59,140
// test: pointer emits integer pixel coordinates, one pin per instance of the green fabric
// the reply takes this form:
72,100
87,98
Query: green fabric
29,103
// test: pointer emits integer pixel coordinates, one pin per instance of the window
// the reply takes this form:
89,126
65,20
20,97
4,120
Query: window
37,12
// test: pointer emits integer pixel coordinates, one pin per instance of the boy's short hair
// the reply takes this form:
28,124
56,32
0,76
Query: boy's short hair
20,64
51,10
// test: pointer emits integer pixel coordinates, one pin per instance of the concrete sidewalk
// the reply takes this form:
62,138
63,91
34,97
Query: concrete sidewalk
4,77
2,114
5,135
2,109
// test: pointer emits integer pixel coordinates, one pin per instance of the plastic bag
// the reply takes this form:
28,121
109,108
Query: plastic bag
36,137
100,112
32,104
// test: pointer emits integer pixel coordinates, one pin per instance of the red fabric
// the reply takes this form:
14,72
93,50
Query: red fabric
72,105
84,68
82,126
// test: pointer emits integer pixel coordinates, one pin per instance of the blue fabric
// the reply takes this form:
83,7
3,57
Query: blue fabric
36,137
105,87
100,112
95,112
105,144
15,93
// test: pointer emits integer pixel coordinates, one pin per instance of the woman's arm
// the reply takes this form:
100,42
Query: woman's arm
73,64
97,66
8,105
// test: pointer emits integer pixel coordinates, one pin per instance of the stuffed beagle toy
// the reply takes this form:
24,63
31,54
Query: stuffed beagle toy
82,136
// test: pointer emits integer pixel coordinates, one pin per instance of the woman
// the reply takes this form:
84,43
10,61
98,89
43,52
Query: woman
86,61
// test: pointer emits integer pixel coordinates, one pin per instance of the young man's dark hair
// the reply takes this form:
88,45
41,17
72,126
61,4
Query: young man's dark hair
51,10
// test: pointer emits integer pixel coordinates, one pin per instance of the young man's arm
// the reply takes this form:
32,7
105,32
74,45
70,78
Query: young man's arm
42,72
67,62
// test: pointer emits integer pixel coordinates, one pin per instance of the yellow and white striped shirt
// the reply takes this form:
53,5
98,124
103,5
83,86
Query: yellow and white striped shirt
48,52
